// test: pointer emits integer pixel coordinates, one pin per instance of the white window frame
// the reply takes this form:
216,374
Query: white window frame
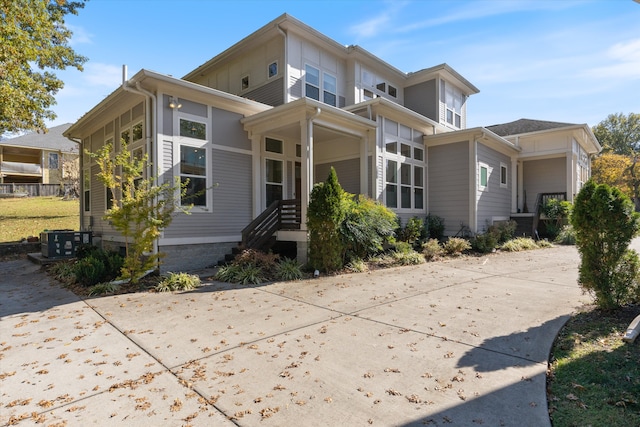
308,83
204,144
412,163
322,86
482,165
505,183
275,157
449,94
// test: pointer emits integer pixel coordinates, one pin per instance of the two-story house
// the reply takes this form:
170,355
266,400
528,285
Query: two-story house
259,124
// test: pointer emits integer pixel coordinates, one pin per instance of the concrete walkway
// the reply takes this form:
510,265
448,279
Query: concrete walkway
457,342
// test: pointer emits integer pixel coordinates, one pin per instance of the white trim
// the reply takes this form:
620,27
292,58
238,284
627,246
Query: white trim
170,241
482,165
218,147
506,174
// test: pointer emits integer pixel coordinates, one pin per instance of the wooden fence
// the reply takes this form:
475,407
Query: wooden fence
34,190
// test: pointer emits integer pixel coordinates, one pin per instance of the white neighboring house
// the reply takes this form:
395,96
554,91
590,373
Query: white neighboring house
259,124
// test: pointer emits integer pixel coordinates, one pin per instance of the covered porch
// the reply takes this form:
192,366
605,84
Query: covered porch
295,145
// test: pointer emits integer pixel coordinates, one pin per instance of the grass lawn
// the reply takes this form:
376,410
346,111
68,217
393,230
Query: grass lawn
594,377
29,216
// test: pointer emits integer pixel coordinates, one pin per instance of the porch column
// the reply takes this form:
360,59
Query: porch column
571,178
515,185
522,201
256,141
364,164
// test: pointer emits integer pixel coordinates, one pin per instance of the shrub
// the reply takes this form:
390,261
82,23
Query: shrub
504,230
367,226
63,271
408,258
103,288
289,269
566,236
556,212
228,273
519,244
357,265
265,261
411,232
486,242
456,245
402,248
431,249
89,271
434,227
327,210
605,222
249,274
178,282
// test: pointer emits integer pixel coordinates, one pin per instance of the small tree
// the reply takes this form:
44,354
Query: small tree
327,210
141,208
605,222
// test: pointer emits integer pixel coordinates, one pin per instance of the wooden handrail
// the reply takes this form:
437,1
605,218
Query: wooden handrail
281,214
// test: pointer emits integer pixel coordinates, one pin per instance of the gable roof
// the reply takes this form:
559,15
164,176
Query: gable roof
52,140
526,126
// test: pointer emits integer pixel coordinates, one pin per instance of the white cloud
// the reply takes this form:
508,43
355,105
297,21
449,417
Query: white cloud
80,36
623,62
104,75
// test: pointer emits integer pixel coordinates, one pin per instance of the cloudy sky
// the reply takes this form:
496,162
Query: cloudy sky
559,60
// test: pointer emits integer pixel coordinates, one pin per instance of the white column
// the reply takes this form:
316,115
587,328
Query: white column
256,160
364,164
521,202
473,185
571,175
306,139
515,185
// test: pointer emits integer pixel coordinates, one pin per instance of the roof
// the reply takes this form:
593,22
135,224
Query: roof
52,140
526,126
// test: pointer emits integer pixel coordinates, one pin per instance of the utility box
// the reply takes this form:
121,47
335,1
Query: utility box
63,243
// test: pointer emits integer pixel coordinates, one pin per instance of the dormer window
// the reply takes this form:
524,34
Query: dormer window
452,98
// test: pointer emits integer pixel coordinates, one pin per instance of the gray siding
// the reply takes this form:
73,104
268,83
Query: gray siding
271,93
227,130
422,98
348,172
448,184
494,200
543,176
232,200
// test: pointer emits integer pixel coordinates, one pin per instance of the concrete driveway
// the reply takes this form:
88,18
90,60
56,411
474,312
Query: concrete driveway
456,342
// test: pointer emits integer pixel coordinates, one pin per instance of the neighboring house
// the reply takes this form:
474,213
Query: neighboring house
262,122
37,158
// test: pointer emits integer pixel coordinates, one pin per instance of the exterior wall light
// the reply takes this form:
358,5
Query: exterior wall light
174,103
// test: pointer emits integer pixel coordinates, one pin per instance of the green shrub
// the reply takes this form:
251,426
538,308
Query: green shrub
357,265
103,288
431,249
411,232
249,274
267,262
89,271
486,242
456,245
408,258
556,212
367,226
434,227
504,230
327,210
289,269
228,273
604,221
402,248
63,271
566,236
519,244
178,282
544,243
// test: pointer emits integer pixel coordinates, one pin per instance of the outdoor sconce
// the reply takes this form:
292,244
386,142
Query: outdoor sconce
174,103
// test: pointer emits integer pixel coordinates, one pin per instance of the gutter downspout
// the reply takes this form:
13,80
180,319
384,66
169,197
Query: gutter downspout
150,102
286,64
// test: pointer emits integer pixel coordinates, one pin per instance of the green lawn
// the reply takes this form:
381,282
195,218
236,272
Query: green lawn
29,216
594,377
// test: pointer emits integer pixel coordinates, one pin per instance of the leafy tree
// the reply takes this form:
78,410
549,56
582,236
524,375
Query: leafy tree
34,41
612,169
141,208
619,134
605,222
327,210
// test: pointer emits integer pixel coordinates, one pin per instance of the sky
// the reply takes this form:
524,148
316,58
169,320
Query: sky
573,61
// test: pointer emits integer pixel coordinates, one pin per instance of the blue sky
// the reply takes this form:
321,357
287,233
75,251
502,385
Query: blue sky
562,60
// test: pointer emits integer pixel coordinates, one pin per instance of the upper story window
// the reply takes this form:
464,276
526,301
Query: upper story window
192,158
272,70
453,99
312,85
53,160
404,168
244,83
374,85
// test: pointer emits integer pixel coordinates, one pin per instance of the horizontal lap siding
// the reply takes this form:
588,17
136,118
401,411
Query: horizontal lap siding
544,176
448,184
348,172
493,201
232,201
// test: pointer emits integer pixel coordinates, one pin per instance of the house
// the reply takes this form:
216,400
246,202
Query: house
259,124
37,158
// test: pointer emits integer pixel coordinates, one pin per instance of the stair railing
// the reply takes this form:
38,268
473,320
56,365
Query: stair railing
280,215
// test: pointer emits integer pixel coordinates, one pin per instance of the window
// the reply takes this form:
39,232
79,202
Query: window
274,180
503,175
329,86
453,99
484,176
312,82
273,69
244,83
193,172
137,131
392,91
418,153
273,145
418,190
109,199
87,190
392,184
192,160
53,160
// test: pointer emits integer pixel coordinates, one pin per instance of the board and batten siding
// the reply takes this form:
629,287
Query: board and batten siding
544,176
448,184
493,201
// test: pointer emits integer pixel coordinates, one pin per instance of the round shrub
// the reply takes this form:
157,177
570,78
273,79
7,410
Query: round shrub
456,246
